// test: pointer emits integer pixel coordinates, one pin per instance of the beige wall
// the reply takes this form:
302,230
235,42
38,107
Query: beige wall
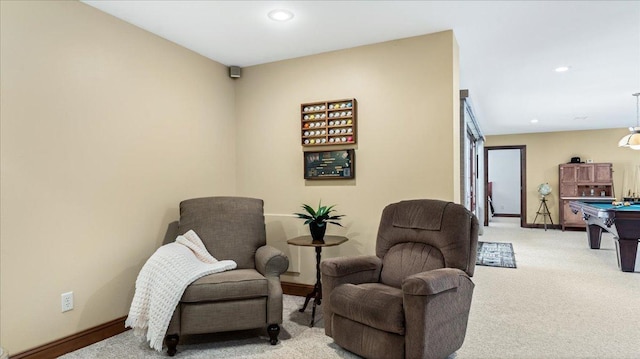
104,129
407,99
545,151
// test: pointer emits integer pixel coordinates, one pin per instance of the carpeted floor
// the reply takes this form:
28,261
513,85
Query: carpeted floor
565,301
297,340
494,254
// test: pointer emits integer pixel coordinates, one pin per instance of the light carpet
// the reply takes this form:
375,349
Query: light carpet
296,340
565,301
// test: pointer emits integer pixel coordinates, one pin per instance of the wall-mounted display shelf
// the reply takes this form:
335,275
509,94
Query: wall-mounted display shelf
329,123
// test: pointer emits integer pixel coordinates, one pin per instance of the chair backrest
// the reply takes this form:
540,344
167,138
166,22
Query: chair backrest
230,227
420,235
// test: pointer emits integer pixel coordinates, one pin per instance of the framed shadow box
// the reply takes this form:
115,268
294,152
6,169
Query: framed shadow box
329,165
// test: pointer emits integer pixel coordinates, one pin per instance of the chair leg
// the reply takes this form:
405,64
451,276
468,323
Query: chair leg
273,330
171,341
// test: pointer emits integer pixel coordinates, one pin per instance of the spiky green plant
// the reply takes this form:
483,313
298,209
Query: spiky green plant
320,216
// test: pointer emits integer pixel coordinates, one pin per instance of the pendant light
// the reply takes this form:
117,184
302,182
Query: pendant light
632,140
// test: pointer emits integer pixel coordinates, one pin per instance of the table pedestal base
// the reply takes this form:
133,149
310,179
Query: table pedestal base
308,241
316,293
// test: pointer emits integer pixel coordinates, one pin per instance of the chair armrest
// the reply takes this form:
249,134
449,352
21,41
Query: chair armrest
341,270
433,281
171,234
271,261
436,306
361,269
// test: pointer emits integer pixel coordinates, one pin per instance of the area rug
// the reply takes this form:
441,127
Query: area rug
495,254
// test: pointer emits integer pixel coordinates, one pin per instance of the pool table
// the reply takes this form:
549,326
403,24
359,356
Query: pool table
621,221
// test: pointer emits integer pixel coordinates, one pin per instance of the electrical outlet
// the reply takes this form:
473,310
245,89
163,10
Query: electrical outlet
67,301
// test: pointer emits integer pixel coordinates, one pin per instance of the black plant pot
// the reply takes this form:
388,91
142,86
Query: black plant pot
317,232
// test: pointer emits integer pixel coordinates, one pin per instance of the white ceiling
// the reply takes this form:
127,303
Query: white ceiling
508,49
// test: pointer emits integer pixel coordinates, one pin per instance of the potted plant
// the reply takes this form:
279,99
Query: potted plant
317,219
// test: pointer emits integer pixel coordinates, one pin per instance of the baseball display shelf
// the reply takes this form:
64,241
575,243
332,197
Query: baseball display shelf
329,122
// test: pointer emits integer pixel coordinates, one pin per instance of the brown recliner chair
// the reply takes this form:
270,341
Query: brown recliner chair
412,299
247,297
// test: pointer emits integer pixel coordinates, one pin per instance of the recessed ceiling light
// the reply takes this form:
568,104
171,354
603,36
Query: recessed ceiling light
535,120
562,69
280,15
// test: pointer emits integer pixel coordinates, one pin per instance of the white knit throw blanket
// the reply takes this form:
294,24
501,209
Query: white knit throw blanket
162,281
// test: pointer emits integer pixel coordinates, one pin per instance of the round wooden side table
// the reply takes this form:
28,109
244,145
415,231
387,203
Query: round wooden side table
307,241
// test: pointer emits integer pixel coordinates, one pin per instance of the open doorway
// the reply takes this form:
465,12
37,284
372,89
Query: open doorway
505,183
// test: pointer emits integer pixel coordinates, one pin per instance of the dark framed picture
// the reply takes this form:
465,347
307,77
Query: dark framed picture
329,165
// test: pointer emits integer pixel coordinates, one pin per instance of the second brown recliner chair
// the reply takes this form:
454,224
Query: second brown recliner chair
412,299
